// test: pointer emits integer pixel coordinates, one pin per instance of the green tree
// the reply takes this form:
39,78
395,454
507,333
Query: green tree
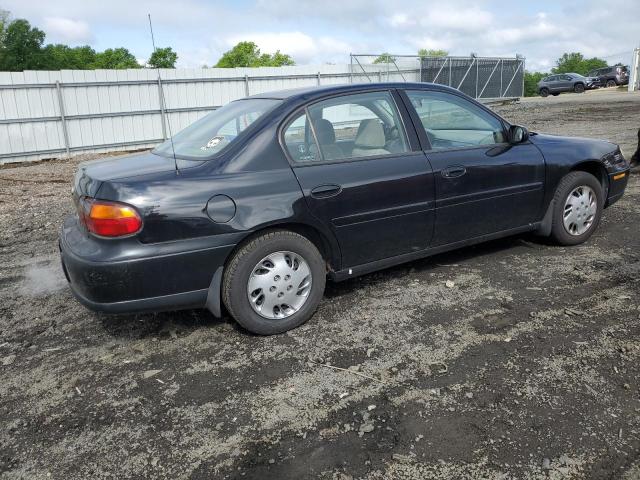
531,80
385,58
21,46
279,59
424,52
4,22
575,62
163,58
115,58
247,54
63,57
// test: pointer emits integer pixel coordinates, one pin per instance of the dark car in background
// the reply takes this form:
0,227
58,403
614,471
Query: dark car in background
253,206
566,82
611,76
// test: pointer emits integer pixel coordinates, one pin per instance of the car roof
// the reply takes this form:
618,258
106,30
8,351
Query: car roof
306,93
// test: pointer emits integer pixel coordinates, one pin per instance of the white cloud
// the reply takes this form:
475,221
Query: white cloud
451,18
327,31
67,30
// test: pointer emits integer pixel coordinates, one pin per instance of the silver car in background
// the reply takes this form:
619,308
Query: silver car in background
566,82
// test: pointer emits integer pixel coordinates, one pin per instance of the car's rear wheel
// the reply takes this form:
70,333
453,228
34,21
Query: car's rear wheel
611,83
578,88
274,282
577,209
544,92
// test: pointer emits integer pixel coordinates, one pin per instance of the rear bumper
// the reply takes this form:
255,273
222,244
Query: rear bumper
126,276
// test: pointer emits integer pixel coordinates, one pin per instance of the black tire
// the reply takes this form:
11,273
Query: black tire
241,265
555,94
611,83
569,183
544,92
578,88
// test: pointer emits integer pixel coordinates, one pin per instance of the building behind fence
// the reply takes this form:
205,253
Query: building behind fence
53,114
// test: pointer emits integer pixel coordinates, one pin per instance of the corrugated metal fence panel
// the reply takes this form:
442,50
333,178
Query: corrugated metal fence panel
123,109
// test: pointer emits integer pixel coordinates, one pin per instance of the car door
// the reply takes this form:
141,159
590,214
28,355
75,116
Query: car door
566,83
363,175
483,184
552,83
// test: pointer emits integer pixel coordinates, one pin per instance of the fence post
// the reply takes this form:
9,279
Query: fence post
246,85
501,70
163,113
634,74
523,73
449,72
351,68
318,78
477,78
65,132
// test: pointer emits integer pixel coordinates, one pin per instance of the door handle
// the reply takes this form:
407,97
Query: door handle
453,172
325,191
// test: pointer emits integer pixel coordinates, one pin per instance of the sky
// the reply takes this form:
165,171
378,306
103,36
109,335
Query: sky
327,31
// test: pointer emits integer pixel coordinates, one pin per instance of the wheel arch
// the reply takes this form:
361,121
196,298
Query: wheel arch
329,251
593,167
596,169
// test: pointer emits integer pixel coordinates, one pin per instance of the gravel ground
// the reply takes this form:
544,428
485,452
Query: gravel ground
513,359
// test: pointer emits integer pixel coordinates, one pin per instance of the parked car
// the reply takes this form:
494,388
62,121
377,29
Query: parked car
254,205
612,76
566,82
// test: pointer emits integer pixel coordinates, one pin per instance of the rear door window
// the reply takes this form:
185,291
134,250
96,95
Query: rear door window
358,125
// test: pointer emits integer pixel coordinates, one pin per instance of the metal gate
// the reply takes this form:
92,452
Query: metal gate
478,77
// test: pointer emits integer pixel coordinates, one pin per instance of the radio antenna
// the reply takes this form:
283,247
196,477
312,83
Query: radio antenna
162,99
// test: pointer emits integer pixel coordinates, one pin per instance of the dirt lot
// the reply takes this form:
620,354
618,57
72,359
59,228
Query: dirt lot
528,367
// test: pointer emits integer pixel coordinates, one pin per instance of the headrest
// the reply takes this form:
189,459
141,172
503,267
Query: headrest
370,134
324,131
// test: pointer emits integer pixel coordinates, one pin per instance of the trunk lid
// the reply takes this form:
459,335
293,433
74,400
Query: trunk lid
92,174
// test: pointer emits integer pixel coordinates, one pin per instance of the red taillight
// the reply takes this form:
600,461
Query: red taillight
109,219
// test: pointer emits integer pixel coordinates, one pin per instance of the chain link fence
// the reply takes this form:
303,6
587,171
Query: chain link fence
478,77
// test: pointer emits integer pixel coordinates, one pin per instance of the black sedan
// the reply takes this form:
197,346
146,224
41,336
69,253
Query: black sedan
254,205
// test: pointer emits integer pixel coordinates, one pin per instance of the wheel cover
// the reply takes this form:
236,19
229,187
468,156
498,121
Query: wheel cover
279,285
580,209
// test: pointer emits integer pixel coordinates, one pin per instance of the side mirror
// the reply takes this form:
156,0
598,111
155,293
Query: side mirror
517,134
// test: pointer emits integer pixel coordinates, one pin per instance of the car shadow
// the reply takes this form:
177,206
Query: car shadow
183,322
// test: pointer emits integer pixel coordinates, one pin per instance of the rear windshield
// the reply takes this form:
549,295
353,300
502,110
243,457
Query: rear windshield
216,130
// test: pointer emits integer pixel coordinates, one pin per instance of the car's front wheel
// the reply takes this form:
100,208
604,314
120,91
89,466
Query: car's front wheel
274,282
544,92
578,203
578,88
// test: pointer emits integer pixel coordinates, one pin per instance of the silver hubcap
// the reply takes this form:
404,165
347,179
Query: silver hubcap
580,210
279,285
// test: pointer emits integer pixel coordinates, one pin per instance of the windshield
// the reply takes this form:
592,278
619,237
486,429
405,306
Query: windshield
216,130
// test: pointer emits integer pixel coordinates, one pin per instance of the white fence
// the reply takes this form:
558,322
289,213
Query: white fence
52,114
